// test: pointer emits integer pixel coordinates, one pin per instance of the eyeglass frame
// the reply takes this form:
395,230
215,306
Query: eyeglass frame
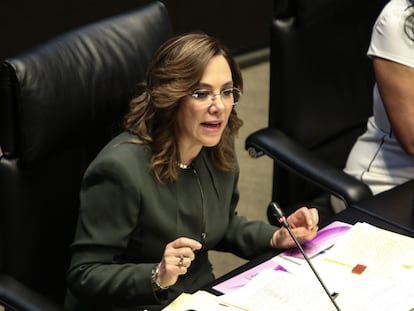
210,95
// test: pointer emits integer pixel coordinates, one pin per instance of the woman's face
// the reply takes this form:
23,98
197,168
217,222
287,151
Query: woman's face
200,122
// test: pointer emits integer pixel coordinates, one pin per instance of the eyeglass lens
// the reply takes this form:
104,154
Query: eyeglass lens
228,96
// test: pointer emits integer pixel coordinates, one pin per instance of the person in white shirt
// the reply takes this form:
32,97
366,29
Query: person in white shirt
383,156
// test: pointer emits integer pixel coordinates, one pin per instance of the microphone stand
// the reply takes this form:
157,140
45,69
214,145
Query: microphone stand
277,212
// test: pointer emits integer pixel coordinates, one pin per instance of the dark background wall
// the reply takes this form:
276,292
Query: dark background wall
241,25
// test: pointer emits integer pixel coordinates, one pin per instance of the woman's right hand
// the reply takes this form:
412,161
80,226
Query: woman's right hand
177,258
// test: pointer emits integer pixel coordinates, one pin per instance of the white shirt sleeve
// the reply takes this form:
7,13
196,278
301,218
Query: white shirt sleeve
389,39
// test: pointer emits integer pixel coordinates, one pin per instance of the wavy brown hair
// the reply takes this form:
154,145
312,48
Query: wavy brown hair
176,69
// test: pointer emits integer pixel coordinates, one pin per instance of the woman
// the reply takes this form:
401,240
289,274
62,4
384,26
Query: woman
383,156
164,192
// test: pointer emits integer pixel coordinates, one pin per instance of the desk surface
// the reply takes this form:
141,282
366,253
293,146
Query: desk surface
394,206
350,216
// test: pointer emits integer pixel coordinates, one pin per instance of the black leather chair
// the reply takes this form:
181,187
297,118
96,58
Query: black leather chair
60,103
320,98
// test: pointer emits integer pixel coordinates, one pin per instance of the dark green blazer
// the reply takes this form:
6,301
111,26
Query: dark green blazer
126,218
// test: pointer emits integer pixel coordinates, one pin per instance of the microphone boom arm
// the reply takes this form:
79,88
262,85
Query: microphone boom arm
277,212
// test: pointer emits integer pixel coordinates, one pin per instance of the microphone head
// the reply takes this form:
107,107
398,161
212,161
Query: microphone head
278,213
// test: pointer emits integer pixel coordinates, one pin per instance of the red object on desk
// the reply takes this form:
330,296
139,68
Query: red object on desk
358,269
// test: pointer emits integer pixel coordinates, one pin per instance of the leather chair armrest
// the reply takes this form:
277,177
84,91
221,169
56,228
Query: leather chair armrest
15,296
300,161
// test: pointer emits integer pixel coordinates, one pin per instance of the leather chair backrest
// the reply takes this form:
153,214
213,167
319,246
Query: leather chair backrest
60,103
321,81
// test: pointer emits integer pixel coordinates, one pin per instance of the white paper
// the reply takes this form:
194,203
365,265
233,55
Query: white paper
271,290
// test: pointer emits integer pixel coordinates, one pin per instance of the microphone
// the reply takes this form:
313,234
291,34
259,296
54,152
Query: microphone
277,212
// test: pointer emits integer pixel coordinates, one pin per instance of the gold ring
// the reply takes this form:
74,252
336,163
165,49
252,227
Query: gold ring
181,261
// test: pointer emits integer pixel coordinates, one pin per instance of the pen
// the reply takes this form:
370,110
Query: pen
291,259
229,304
322,251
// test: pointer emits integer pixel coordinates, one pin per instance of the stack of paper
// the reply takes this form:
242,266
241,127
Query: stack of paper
368,267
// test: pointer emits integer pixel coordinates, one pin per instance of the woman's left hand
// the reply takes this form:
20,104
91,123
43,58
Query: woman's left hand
304,224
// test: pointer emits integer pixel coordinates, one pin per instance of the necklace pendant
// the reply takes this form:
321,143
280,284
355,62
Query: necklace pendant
183,166
203,238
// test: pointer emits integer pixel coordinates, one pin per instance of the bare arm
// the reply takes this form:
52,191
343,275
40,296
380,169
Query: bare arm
396,86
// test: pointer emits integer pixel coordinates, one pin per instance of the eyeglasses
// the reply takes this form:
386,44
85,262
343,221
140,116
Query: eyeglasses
228,96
